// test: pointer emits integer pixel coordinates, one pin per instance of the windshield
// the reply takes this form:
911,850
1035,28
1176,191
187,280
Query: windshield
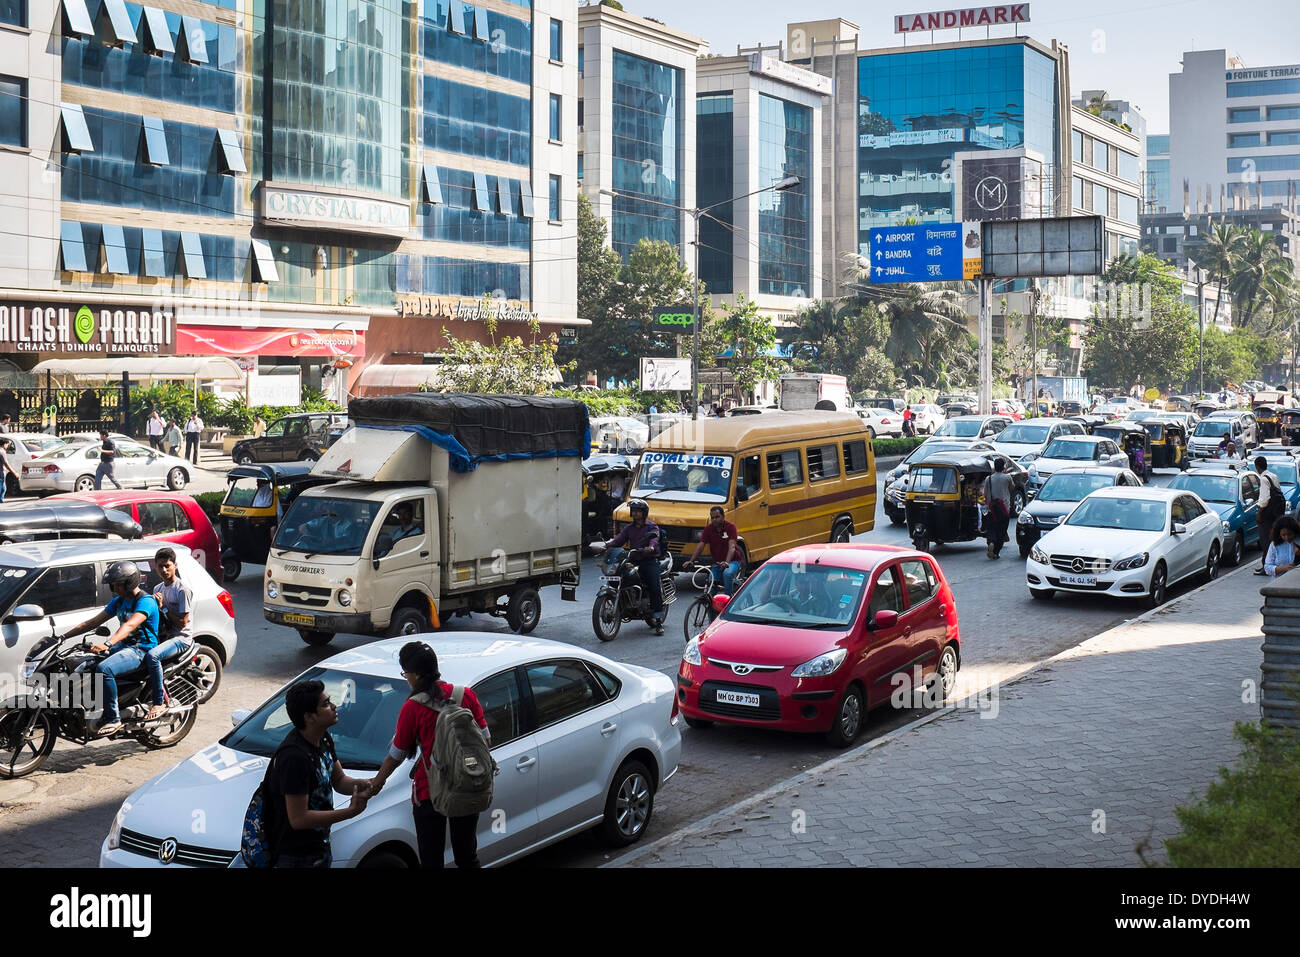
1213,427
1211,488
63,451
326,526
1138,515
1155,430
367,705
1025,434
249,493
1071,450
684,477
1286,474
939,481
43,444
961,428
1071,487
799,596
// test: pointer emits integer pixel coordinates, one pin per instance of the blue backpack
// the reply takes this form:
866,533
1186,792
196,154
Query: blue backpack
258,835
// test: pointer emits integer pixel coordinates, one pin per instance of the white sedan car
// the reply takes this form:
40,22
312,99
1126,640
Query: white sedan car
20,447
881,422
581,742
927,418
1128,543
1075,450
71,468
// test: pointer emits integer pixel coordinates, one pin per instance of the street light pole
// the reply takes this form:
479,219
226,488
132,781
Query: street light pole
695,351
1200,324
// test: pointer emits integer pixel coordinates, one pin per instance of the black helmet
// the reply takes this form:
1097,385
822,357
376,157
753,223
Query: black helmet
638,503
123,573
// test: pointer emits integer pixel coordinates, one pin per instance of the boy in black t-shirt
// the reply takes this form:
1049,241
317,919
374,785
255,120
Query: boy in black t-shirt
305,771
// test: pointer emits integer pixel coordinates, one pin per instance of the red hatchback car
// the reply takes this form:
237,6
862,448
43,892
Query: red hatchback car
815,638
165,517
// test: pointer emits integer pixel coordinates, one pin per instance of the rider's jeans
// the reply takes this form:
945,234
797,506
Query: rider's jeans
114,666
153,659
728,574
648,568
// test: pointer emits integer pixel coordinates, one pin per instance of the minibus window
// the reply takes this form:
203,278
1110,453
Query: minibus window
783,469
855,457
751,476
823,462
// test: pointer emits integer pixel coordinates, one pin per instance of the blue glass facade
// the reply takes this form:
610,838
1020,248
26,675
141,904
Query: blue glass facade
438,276
715,183
647,151
473,121
917,108
507,54
1157,191
784,149
458,220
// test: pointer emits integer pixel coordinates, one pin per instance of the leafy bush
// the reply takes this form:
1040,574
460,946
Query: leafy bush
176,400
210,502
1251,817
897,446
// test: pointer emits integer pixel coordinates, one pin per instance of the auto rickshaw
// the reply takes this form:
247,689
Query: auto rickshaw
944,494
1266,417
1136,443
1204,409
606,484
1168,443
1289,425
1089,421
256,498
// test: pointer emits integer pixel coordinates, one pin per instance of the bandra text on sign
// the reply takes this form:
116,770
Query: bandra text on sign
956,19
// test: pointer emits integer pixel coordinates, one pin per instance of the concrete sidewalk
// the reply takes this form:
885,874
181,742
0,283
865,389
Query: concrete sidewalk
1075,764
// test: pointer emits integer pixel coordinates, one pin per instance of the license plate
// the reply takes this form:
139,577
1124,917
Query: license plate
738,697
611,578
299,620
1079,580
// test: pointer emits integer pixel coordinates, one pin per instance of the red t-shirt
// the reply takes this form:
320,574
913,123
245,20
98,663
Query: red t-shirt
719,542
416,723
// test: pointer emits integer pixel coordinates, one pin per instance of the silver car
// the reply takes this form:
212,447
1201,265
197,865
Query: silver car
581,742
22,447
64,577
71,468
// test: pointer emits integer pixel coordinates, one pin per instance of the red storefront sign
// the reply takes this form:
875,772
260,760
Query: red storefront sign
233,341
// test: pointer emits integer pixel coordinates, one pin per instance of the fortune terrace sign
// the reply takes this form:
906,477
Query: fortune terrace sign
956,19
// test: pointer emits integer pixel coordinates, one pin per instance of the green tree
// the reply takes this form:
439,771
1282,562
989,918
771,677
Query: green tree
928,340
1151,341
598,270
847,340
1218,256
1262,275
1230,356
512,366
752,339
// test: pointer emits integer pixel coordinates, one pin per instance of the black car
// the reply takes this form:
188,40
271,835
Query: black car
1059,495
293,438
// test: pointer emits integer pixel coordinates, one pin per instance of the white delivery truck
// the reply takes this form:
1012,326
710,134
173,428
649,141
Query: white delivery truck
803,390
445,505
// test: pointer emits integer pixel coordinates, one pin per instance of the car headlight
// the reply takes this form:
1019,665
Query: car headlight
1026,459
1038,555
272,590
692,653
345,597
1227,527
822,665
1025,519
115,829
1135,561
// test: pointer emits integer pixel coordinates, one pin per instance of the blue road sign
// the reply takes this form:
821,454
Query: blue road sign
928,252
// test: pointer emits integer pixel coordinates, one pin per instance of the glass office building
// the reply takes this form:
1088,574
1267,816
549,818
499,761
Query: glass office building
1157,184
715,138
917,108
784,149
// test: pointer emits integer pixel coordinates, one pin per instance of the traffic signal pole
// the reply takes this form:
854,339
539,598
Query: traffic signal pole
986,345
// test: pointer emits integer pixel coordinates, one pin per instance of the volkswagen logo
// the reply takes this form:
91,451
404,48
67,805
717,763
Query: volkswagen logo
1077,565
991,193
167,851
742,669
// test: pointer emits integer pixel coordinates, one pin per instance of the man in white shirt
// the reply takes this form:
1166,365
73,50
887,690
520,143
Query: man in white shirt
193,429
1271,507
155,430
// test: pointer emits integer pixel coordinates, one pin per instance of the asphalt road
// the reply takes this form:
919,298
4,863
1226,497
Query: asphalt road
59,815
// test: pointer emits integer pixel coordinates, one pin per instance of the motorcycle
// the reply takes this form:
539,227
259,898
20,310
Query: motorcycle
61,690
621,596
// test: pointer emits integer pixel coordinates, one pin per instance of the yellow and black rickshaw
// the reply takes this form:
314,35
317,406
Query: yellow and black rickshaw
1168,443
606,484
1288,423
1266,417
256,498
944,495
1134,440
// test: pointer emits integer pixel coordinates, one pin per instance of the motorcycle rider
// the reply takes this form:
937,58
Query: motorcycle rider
175,601
137,632
642,540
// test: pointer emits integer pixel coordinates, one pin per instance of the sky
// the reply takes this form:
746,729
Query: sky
1128,49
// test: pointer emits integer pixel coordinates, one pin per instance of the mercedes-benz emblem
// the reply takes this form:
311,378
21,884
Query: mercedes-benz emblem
991,193
167,851
742,669
1077,564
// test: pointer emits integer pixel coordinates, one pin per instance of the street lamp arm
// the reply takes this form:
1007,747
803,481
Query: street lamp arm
788,183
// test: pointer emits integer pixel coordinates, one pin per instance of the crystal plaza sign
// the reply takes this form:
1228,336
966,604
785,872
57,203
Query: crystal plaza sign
308,207
1005,14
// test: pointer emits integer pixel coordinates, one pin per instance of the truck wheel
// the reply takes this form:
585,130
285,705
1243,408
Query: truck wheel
524,610
408,621
605,619
315,638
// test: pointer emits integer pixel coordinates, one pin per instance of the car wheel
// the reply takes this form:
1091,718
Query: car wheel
244,457
871,433
849,714
699,724
945,678
1235,553
1212,563
315,638
1042,594
1017,501
629,805
1025,550
84,483
524,610
842,532
309,455
1156,591
408,621
896,518
208,663
385,859
176,479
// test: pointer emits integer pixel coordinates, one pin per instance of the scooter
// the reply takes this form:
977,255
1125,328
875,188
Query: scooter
61,688
622,597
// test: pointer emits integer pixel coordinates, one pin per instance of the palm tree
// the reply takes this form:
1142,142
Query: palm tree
928,339
1218,256
1262,275
816,324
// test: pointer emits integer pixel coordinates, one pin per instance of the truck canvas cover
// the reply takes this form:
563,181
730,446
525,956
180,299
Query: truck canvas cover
476,428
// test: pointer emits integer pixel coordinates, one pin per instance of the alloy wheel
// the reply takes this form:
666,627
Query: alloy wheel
632,807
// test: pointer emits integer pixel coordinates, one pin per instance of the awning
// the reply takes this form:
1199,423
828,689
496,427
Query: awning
410,376
160,367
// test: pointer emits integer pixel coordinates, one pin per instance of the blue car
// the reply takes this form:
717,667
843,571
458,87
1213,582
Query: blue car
1234,494
1284,466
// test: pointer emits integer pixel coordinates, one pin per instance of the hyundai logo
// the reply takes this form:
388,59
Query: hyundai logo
742,669
167,851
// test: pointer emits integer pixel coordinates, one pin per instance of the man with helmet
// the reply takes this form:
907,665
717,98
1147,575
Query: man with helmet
137,632
641,538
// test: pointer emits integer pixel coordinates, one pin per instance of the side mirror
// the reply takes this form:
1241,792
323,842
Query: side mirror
1179,528
237,717
102,631
720,602
885,618
25,613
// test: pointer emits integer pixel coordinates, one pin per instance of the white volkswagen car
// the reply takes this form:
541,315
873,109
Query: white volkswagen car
1128,543
71,468
581,742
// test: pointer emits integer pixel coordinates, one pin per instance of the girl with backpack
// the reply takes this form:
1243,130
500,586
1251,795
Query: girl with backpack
433,719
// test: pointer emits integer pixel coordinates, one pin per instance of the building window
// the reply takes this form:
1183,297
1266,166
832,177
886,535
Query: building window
13,11
784,230
1077,139
1127,167
525,199
264,262
715,184
1100,156
647,118
1127,210
1262,88
579,166
1248,114
557,41
72,247
1283,113
554,205
155,142
1265,163
78,17
1078,193
114,243
158,36
13,111
155,258
1238,140
580,61
1284,138
581,115
1100,202
555,117
232,156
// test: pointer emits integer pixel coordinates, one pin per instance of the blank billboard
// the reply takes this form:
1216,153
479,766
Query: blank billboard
1028,248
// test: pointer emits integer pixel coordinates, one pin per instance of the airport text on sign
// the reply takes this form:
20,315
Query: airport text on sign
923,253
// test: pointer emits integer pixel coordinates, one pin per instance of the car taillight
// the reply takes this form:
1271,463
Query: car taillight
884,421
51,469
672,718
227,602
